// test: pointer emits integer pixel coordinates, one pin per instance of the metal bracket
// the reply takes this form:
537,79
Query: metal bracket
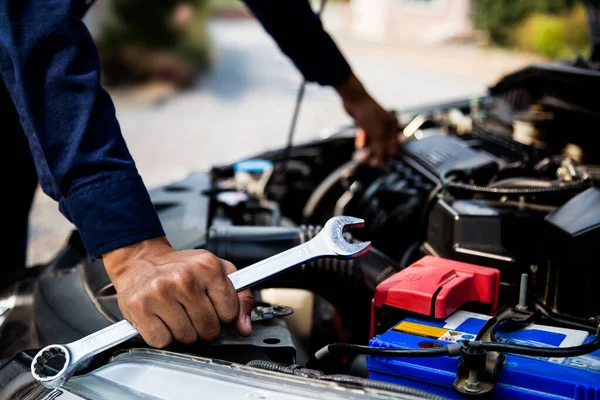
478,370
265,313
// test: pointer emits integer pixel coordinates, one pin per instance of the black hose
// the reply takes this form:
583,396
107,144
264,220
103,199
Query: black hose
346,380
451,350
562,321
454,350
273,366
521,191
377,385
558,352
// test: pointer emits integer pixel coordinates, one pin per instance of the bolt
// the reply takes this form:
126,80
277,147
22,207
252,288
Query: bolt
533,268
523,293
472,384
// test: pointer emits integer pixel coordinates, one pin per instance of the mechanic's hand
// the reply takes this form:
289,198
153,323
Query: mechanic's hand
378,133
183,295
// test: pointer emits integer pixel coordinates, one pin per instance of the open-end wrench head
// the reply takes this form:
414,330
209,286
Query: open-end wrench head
40,361
333,235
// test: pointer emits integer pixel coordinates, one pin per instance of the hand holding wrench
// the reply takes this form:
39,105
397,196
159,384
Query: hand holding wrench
329,242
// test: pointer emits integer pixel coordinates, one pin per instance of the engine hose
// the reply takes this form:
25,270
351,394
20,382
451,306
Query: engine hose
347,284
246,245
378,385
341,379
520,191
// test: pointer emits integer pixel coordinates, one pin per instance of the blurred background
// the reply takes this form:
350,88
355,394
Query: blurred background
198,82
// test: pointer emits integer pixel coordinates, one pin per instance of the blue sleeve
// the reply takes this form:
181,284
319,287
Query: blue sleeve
50,65
299,33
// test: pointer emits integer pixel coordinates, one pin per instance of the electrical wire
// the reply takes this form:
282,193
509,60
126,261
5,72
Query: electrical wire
558,352
451,350
454,350
563,320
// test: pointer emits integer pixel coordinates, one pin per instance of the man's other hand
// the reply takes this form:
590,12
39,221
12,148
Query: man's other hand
378,128
182,295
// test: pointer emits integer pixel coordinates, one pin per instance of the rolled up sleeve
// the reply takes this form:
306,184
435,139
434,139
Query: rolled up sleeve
50,66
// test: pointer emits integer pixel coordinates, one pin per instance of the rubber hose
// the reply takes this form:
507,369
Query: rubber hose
347,284
558,352
246,245
390,387
341,379
501,191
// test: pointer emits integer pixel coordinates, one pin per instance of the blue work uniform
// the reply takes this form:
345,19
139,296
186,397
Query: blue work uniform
58,125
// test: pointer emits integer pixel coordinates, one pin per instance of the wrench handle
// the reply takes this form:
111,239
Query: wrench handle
103,339
274,265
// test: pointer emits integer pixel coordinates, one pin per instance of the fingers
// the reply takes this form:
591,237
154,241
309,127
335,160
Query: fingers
243,324
221,292
361,139
152,329
204,318
154,332
177,320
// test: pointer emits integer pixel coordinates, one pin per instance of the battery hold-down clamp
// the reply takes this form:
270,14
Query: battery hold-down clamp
478,369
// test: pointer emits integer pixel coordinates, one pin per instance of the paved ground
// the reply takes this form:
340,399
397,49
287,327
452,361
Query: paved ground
244,106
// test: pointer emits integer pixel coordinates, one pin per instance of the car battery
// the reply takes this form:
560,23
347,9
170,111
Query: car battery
437,302
521,377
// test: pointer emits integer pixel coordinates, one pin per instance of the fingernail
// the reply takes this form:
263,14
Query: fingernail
248,322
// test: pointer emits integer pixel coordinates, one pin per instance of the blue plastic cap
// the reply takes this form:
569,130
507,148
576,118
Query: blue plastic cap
256,165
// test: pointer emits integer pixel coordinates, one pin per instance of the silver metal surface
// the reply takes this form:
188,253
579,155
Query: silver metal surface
522,306
330,242
155,374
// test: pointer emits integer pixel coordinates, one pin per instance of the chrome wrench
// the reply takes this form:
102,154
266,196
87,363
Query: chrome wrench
330,242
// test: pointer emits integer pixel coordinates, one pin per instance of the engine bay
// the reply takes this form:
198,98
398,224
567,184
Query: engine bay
481,281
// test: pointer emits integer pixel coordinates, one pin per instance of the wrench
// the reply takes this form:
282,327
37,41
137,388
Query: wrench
330,242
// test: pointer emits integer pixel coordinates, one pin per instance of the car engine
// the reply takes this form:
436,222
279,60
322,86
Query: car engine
484,230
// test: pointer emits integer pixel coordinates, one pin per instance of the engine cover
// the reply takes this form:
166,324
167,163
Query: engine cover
439,156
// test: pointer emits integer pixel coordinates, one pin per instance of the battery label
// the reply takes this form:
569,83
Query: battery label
433,332
420,330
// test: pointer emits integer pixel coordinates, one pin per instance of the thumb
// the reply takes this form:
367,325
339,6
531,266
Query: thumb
243,324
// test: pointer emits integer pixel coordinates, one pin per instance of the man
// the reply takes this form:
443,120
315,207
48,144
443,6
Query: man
58,125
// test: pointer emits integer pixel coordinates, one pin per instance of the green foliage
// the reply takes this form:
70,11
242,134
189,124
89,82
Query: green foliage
499,18
562,35
144,23
143,42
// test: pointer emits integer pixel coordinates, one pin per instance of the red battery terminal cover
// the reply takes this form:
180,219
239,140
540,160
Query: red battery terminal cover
437,287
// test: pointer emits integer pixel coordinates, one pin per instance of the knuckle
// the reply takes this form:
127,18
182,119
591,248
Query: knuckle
184,279
135,303
160,286
213,266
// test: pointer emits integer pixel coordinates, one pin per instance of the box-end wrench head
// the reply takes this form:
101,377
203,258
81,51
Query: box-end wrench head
73,354
330,242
